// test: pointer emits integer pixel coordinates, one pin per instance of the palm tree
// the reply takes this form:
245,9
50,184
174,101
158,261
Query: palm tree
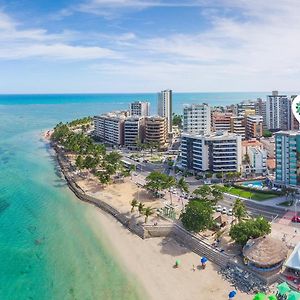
134,204
141,207
148,211
183,185
170,182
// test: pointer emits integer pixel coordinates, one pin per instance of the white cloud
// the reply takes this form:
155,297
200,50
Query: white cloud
19,43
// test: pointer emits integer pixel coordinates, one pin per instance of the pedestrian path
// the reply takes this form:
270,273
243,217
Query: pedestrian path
286,219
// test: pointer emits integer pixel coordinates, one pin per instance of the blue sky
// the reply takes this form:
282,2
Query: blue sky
148,45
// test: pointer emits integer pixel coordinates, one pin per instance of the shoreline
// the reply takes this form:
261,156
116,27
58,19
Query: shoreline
151,262
194,248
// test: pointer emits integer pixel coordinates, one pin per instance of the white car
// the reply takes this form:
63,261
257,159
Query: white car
230,213
224,210
219,208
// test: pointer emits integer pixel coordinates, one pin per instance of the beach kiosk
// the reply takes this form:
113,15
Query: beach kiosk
265,255
292,267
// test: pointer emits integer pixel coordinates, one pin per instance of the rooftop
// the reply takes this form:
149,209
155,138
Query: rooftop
265,251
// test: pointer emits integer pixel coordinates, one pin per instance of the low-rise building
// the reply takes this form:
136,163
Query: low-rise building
156,131
254,126
219,152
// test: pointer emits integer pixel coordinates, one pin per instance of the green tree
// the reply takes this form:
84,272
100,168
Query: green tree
183,185
79,162
148,211
177,120
203,192
170,182
198,216
141,208
252,228
133,204
267,133
239,210
156,181
219,175
103,177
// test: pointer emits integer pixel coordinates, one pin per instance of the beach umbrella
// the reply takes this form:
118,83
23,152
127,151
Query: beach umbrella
259,296
272,297
293,296
283,288
231,294
203,260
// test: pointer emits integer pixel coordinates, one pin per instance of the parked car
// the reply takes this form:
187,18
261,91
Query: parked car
219,208
296,219
224,210
230,212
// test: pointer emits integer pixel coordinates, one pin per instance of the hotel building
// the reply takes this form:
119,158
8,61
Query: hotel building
197,118
287,152
139,108
165,107
219,152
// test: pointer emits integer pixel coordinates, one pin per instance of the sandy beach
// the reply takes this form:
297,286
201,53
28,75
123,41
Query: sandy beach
151,263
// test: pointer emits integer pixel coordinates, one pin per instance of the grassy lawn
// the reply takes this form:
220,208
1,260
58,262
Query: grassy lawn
255,195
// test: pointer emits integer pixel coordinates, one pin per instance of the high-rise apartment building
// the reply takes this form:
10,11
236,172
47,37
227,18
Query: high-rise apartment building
134,131
219,152
254,126
278,111
109,128
238,126
165,107
287,150
197,118
261,110
139,108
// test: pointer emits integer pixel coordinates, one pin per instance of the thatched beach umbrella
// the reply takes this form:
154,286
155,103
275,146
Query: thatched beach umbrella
283,288
259,296
265,252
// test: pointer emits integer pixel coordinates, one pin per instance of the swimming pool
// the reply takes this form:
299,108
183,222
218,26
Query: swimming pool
255,184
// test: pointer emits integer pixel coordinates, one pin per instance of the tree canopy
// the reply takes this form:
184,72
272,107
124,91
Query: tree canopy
252,228
198,216
212,193
177,120
157,181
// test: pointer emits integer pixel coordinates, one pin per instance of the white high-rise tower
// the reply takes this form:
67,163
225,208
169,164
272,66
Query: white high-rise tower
165,107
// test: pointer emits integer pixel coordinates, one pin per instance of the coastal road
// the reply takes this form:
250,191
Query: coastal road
256,209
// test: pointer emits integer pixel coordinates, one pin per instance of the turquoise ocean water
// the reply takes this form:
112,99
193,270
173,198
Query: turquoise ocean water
47,249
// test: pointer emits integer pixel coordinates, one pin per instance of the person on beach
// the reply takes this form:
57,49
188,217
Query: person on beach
194,269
